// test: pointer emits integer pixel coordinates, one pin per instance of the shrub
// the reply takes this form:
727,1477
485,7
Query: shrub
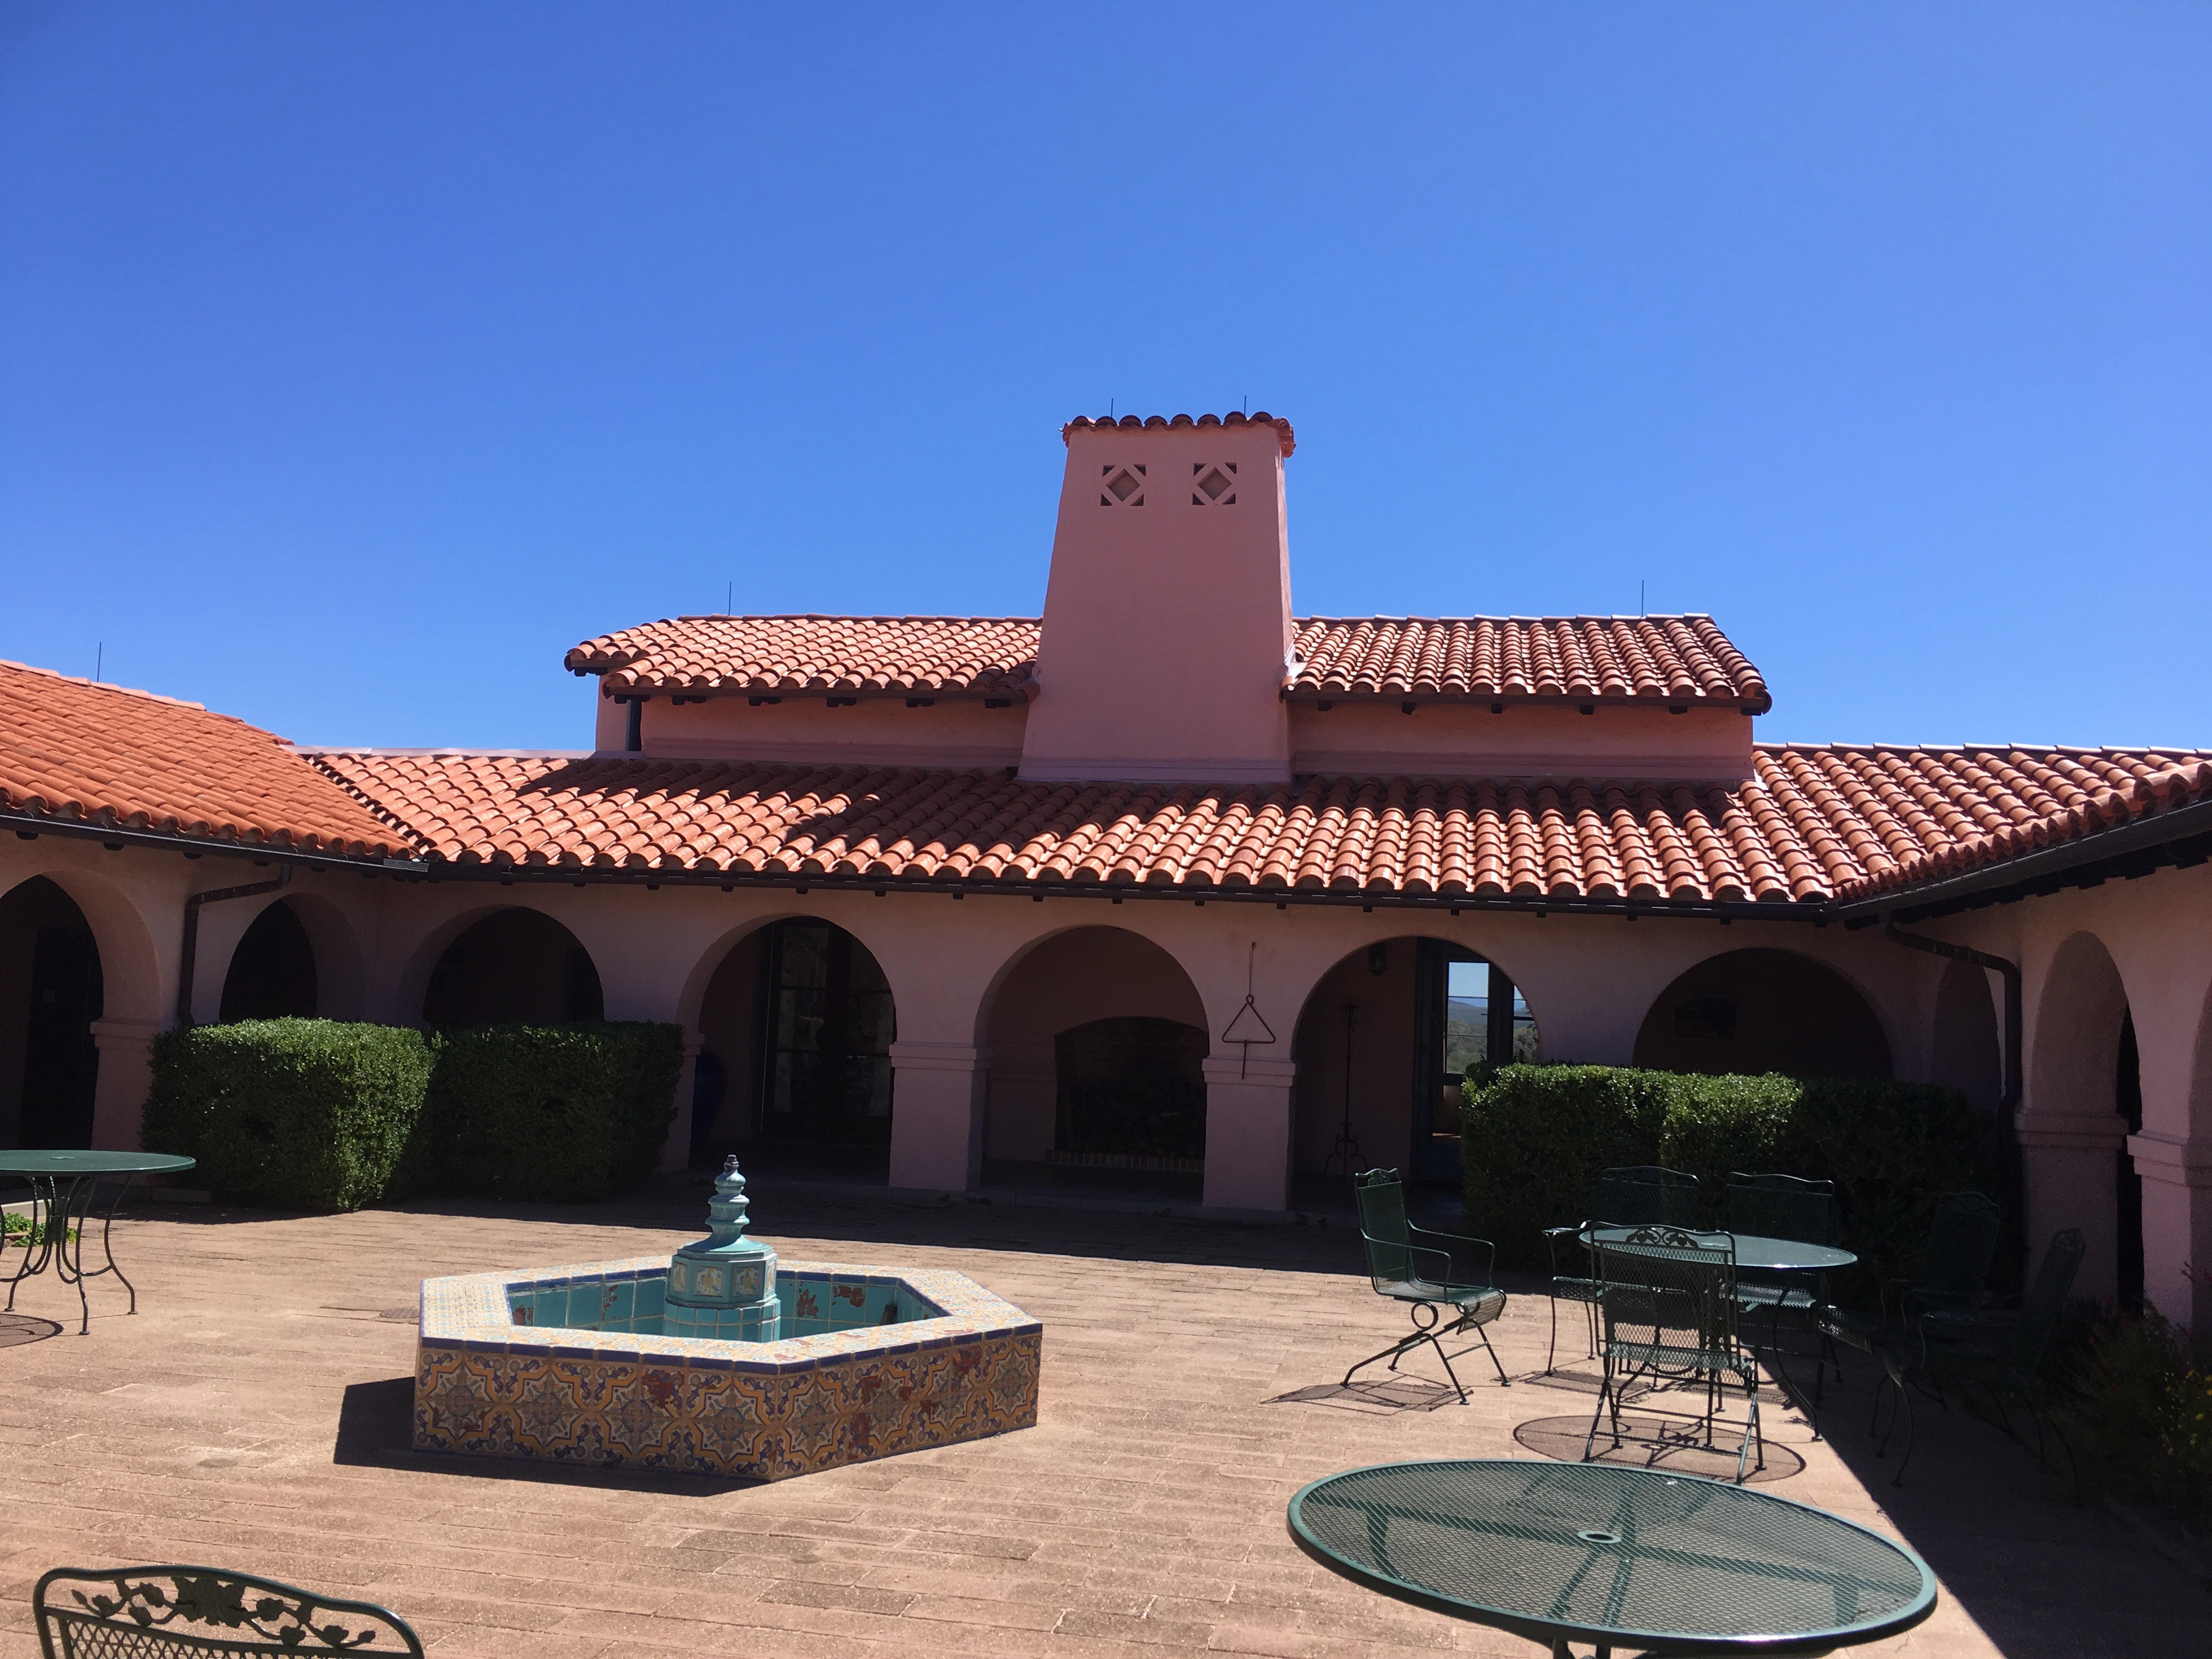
564,1112
2139,1410
291,1114
1535,1137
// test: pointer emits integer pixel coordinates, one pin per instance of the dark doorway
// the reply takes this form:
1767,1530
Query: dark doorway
272,972
828,1025
1749,1012
1132,1091
50,994
1467,1014
514,967
2127,1180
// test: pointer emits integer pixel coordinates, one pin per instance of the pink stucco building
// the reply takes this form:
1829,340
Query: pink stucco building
1170,881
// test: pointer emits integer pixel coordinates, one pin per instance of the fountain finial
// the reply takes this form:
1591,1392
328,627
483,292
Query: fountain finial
723,1286
726,1211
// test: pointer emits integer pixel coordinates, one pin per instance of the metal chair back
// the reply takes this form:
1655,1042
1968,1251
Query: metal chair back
2046,1299
1666,1288
1782,1207
1381,1197
144,1612
1645,1195
1961,1242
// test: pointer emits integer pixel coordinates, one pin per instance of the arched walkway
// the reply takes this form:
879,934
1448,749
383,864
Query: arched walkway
1383,1044
1097,1039
515,965
52,990
796,1026
272,971
1967,1054
1762,1009
2084,1098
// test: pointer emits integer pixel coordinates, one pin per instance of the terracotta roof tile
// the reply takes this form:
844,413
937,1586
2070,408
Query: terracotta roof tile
1651,659
1814,825
1135,422
1672,660
977,656
80,752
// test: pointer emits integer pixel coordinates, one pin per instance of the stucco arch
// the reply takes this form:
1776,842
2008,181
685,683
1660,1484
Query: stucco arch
692,996
431,949
720,1006
340,962
2071,1134
2077,1030
1765,1008
1064,979
135,986
1306,961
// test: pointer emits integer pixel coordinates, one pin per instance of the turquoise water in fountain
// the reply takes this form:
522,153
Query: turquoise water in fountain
812,1303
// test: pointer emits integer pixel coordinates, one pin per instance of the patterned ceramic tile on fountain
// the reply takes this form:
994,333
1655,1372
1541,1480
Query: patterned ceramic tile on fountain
572,1364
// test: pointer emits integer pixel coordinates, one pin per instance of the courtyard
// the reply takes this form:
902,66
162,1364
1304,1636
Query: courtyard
254,1415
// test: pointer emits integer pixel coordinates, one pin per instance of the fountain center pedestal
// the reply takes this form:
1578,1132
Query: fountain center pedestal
723,1286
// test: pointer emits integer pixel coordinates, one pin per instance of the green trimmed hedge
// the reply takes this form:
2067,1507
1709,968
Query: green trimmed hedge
1534,1138
291,1114
562,1112
315,1115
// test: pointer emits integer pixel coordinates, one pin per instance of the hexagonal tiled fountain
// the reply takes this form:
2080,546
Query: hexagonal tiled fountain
571,1364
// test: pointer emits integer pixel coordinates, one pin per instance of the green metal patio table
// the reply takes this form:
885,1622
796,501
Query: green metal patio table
1780,1256
1613,1557
64,1197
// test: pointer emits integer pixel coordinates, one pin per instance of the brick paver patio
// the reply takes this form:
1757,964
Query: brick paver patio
254,1415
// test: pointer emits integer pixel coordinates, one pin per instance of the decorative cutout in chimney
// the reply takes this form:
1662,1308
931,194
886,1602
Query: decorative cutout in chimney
1214,486
1125,486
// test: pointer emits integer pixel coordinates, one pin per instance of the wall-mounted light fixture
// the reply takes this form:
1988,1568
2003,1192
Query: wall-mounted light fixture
1378,960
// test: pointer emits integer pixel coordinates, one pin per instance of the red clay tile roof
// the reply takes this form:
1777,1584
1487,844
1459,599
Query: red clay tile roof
935,656
1672,660
1648,660
1910,815
1814,825
74,751
1131,421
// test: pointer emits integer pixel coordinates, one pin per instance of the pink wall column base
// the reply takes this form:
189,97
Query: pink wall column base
1247,1133
2067,1164
2176,1225
937,1116
126,1073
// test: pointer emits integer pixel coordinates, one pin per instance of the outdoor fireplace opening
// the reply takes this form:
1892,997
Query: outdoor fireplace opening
1131,1093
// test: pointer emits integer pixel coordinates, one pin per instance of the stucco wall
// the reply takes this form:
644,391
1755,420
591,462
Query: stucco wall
955,966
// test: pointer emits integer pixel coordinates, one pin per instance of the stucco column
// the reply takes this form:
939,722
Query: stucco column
937,1116
676,1151
126,1073
2177,1217
2066,1167
1247,1133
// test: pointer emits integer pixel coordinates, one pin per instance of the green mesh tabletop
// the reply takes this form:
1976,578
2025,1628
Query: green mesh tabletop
1668,1564
1767,1255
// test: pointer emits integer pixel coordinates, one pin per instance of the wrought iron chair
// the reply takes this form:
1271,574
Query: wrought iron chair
1949,1274
1667,1297
1999,1350
1785,1206
1399,1269
143,1612
1629,1196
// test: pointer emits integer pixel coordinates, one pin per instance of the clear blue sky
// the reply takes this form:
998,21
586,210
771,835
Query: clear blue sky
357,360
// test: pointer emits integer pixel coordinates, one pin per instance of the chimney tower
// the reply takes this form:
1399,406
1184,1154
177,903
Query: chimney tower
1167,614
